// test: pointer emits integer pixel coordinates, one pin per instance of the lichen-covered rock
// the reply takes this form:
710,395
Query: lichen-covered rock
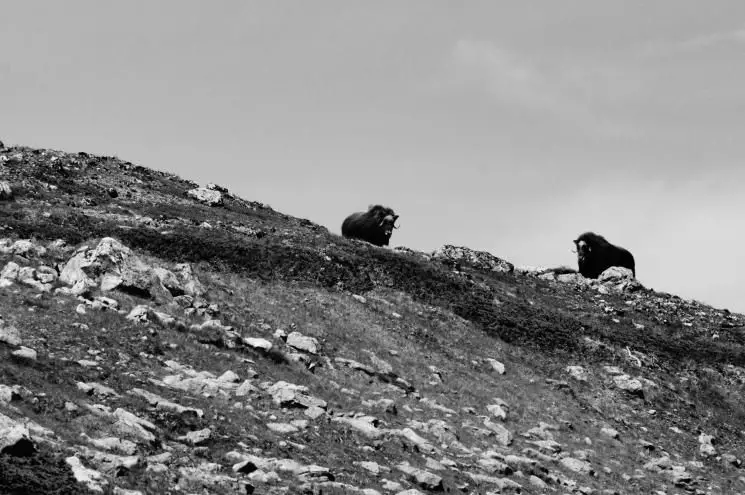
616,274
209,197
479,260
112,265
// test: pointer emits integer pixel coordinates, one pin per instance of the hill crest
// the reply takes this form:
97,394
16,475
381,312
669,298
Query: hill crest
342,367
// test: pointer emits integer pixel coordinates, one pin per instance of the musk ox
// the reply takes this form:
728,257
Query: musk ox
374,225
595,255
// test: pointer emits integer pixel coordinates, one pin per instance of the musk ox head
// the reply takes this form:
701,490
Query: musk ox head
374,226
595,255
385,217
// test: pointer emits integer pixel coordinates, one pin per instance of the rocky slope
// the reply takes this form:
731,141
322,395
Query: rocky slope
161,337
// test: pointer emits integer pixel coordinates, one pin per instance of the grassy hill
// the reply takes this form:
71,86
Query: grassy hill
159,337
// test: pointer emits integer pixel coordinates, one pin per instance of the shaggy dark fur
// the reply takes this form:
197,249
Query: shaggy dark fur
595,255
374,225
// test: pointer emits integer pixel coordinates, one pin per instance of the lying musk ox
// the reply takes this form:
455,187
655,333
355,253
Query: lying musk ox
595,255
374,225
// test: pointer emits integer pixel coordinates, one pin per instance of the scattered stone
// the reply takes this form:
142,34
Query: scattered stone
496,365
139,314
367,425
9,394
302,342
25,353
286,394
498,410
113,443
380,365
91,478
502,434
163,404
706,448
504,485
10,271
198,437
578,373
282,428
628,384
547,446
610,432
372,467
97,389
258,343
577,465
246,388
9,334
314,412
423,478
537,483
130,425
494,466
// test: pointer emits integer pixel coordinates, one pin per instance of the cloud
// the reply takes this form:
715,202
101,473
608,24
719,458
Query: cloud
571,94
695,43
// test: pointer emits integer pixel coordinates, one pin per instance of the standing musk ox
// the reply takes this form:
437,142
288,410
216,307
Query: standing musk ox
374,225
595,255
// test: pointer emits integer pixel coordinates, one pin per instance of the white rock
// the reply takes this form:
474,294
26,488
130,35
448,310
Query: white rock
706,448
496,365
615,274
424,479
206,196
15,437
229,377
367,425
498,410
139,314
577,465
631,385
22,247
610,432
578,373
89,477
9,334
10,271
283,428
302,342
197,437
25,353
258,343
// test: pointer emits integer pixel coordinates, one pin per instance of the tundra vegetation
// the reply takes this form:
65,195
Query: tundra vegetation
158,336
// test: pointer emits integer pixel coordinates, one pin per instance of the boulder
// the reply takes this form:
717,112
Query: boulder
616,274
112,265
210,197
15,439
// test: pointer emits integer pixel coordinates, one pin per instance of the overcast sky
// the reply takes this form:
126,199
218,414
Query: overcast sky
510,127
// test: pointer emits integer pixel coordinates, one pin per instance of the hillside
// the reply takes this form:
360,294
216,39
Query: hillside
161,337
